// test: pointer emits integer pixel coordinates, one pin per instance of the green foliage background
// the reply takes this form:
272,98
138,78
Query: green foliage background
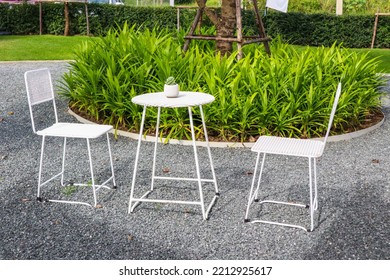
300,28
289,93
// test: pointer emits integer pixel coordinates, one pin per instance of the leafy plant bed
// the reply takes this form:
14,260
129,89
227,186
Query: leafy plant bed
371,121
288,94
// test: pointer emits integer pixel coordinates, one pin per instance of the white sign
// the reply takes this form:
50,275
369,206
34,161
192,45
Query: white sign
279,5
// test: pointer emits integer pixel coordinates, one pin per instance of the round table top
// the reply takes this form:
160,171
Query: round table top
184,99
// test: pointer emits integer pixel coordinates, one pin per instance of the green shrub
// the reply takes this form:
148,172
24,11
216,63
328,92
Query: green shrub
300,28
288,94
21,19
182,2
354,31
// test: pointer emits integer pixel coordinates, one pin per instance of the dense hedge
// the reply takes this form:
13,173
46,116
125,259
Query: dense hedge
297,28
181,2
24,19
324,29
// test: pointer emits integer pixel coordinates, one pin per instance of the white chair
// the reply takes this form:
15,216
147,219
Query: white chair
311,149
40,90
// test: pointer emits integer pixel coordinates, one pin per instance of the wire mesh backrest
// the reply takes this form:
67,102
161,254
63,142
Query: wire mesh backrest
39,86
335,102
39,89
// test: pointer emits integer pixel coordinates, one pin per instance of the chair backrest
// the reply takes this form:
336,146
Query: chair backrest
39,90
335,102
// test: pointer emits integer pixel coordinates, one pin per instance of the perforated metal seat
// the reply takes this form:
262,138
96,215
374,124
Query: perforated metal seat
75,130
311,149
40,90
289,146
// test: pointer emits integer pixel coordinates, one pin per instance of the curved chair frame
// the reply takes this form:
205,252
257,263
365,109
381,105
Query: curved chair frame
311,149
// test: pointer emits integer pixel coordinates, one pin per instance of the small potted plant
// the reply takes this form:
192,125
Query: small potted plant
171,88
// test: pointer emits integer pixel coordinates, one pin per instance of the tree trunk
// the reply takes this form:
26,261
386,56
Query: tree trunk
226,26
66,12
225,23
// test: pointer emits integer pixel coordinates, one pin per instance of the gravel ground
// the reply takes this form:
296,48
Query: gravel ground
352,221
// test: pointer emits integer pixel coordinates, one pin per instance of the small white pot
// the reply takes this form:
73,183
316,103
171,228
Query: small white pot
171,90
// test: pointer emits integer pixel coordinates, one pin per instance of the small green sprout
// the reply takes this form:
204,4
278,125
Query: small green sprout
170,81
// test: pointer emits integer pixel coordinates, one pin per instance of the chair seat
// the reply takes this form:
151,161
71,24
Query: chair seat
289,146
75,130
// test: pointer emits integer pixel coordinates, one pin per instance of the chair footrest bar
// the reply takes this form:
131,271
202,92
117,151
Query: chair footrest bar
284,203
68,202
183,179
51,179
279,224
108,180
144,199
167,201
97,187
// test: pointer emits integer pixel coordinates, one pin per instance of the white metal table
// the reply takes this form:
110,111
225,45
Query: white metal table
159,100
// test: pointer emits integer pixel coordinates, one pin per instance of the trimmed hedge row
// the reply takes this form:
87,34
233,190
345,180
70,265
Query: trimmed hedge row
24,19
355,31
297,28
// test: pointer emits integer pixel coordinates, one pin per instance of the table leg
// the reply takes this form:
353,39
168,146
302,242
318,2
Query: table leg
208,150
155,148
197,164
133,202
136,161
211,163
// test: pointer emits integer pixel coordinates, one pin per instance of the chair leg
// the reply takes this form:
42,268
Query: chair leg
111,162
40,184
315,185
63,162
94,186
131,206
40,169
251,191
313,197
254,194
92,175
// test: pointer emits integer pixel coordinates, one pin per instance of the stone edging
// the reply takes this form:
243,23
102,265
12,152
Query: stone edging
335,138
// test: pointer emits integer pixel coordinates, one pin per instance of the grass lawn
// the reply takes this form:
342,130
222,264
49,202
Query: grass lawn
50,47
384,57
38,47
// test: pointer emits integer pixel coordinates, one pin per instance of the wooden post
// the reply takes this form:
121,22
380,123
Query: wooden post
375,28
40,18
239,38
87,16
66,12
192,29
239,28
200,23
178,19
261,28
